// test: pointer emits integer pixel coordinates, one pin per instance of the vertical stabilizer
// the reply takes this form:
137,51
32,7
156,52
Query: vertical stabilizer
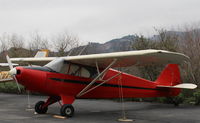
42,53
170,76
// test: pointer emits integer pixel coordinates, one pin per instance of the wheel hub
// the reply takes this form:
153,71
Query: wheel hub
68,111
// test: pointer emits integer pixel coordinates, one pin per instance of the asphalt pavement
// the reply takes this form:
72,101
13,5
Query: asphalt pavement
13,109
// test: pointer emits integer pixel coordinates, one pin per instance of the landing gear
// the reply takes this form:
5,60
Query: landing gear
40,108
67,110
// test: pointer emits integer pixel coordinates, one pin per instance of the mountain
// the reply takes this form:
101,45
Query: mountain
115,45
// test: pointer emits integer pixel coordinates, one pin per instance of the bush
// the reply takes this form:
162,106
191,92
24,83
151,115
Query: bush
10,87
196,96
173,100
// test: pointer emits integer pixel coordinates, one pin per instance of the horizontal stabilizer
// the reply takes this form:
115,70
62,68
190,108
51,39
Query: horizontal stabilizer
181,86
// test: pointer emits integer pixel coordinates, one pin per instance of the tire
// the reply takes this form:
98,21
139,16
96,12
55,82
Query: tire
39,109
67,110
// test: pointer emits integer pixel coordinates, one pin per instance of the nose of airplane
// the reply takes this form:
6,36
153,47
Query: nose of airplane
13,71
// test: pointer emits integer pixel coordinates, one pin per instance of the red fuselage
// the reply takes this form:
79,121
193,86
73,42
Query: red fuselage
56,84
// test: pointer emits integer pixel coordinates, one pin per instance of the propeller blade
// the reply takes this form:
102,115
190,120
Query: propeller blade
9,62
11,68
17,84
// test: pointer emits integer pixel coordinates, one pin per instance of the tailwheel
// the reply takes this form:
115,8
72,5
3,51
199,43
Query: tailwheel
67,110
39,107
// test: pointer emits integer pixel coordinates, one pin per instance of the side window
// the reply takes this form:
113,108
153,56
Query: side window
73,69
76,70
85,72
65,69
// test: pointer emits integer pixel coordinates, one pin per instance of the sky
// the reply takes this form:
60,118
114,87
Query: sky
95,20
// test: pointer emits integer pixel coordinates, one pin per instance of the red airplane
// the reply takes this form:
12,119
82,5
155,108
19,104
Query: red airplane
91,76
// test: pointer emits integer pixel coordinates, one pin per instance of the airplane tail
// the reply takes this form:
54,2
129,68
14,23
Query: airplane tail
42,53
170,78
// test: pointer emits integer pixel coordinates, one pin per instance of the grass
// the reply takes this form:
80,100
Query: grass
10,87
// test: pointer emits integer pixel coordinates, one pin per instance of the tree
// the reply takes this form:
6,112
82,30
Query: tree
4,39
190,45
16,41
64,42
167,40
141,43
37,41
16,44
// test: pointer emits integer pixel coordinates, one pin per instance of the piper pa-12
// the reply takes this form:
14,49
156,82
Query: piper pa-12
92,76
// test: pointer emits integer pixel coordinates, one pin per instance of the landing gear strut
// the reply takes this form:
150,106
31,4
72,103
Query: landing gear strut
67,110
41,107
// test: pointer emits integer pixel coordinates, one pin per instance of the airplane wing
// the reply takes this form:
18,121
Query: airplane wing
6,64
39,54
6,80
124,59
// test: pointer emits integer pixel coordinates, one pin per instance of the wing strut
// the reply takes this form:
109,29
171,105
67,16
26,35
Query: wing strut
95,79
101,83
97,66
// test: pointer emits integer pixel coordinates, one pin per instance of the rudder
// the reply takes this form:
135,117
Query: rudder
170,76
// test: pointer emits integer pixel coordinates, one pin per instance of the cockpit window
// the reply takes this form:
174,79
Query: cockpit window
78,70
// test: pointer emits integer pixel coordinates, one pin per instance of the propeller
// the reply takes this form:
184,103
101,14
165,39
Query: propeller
12,71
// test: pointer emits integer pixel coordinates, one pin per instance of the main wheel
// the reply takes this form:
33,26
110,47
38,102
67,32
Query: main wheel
39,107
67,110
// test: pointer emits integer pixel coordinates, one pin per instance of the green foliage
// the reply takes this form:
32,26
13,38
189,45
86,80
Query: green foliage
142,43
196,96
10,87
150,72
166,40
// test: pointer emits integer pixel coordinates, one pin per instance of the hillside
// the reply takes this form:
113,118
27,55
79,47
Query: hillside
115,45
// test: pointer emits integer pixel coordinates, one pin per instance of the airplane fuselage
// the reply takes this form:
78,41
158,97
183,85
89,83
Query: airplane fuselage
57,84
